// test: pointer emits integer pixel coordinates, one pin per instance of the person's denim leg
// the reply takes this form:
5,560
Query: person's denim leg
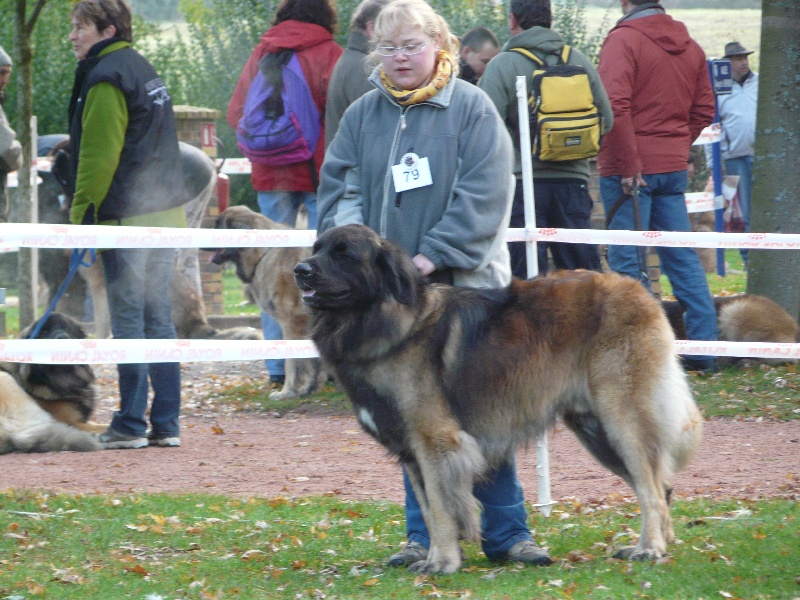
310,200
682,265
503,518
625,259
281,207
125,270
165,378
416,531
743,167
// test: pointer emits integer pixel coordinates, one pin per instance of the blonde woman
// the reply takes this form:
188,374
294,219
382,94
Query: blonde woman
425,161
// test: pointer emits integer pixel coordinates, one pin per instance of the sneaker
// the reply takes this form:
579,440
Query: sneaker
413,552
529,553
111,439
163,440
277,379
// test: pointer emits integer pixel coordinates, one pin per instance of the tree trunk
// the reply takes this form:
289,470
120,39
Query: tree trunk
20,210
776,176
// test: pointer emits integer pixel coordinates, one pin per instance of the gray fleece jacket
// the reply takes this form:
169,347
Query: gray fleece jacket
459,221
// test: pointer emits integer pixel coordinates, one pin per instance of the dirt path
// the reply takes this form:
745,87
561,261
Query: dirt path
247,454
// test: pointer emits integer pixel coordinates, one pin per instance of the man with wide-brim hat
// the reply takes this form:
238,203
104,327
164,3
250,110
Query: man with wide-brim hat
10,149
737,114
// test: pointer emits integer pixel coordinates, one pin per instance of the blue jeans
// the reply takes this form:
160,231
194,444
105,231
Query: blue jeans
282,207
138,284
743,167
663,208
503,517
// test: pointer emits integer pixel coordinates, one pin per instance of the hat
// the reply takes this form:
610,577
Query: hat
5,59
735,49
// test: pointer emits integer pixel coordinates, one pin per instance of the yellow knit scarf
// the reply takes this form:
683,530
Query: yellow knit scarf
441,75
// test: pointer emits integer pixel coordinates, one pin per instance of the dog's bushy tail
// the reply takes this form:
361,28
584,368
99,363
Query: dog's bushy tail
50,437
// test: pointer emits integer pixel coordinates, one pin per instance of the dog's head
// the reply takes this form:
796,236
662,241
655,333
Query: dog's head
245,259
58,382
58,326
353,267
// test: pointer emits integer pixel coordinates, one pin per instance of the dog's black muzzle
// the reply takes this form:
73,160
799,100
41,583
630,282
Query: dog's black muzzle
303,275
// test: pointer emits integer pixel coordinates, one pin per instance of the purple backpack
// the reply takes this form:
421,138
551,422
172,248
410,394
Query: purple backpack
281,123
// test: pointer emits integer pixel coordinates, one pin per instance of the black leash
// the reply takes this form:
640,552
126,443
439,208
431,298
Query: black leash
641,251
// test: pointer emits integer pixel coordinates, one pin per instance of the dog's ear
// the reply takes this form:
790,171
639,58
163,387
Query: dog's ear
398,274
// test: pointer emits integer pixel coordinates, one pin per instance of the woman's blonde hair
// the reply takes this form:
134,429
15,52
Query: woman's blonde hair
417,14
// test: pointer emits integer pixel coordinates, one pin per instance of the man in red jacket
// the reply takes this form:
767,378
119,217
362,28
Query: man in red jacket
657,80
305,26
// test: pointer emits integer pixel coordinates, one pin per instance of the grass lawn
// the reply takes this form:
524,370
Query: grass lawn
154,547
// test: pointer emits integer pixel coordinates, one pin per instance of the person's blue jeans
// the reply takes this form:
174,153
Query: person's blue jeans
138,284
663,208
282,207
743,167
503,516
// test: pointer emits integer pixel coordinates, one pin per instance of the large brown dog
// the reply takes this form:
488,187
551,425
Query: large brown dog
269,272
743,318
46,407
452,380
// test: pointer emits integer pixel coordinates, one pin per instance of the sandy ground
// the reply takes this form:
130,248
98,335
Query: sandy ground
291,455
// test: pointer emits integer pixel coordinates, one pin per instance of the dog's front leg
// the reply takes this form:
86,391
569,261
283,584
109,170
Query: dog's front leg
444,553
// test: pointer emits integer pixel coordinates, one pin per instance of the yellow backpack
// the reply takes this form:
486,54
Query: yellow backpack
565,122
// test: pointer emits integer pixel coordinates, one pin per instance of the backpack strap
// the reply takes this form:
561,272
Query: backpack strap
529,54
563,57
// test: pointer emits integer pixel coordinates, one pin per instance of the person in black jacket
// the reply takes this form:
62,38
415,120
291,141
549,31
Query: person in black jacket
126,171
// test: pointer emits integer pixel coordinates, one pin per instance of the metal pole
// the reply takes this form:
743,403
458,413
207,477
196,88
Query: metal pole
34,214
542,452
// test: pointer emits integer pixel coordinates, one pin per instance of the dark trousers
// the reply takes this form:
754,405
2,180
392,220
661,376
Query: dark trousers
562,203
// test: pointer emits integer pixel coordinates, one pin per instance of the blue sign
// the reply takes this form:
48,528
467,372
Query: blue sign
721,76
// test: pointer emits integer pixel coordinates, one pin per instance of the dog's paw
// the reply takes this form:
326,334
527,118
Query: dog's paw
637,553
283,394
435,566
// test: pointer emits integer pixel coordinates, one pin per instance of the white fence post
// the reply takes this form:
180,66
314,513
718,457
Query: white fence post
542,451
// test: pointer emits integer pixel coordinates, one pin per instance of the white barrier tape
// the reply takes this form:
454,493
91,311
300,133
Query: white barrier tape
104,236
688,239
99,352
702,202
740,349
117,236
709,135
234,166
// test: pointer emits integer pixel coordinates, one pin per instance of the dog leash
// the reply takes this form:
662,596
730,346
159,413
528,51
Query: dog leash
641,251
76,261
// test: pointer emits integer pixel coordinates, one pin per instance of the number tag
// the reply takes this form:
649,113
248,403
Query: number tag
412,172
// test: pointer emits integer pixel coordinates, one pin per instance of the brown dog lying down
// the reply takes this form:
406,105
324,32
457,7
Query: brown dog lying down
46,408
743,318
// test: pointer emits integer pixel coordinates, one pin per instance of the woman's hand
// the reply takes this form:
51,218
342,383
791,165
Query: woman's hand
423,264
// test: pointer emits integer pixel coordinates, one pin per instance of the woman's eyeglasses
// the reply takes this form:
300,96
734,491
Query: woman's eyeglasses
409,50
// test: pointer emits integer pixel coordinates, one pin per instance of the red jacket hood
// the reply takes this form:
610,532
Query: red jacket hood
294,35
669,34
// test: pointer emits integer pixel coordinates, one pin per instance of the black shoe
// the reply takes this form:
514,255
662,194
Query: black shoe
699,365
277,379
413,552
